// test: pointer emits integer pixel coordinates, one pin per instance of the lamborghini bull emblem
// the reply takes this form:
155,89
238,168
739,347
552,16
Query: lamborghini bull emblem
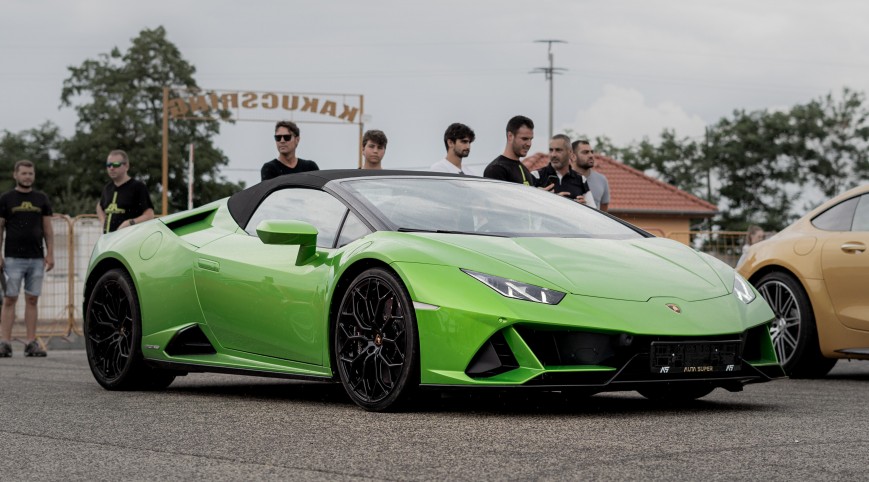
675,308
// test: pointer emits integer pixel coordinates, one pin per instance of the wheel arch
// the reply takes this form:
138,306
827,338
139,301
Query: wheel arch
776,268
347,277
102,267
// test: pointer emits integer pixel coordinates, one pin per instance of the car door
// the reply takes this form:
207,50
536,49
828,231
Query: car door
845,264
255,298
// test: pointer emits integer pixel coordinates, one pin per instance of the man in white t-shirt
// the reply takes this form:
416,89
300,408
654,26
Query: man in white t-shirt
457,140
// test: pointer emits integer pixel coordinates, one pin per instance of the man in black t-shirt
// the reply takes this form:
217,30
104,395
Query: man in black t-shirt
507,166
286,140
25,216
125,201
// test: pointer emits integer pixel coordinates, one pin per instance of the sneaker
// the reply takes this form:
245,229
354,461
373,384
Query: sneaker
5,349
33,349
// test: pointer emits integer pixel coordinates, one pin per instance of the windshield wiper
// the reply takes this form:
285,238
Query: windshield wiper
446,231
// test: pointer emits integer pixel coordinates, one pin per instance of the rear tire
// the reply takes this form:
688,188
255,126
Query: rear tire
376,345
794,331
113,337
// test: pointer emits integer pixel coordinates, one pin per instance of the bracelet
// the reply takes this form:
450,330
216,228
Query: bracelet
132,222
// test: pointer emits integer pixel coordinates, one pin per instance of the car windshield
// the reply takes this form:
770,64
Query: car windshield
483,207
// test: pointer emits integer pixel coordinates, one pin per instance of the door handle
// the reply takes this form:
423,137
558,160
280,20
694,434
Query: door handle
853,247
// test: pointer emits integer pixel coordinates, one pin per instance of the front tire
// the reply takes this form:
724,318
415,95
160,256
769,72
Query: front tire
794,332
376,344
113,337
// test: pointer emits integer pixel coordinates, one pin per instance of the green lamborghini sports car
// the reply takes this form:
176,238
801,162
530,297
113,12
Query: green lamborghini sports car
388,281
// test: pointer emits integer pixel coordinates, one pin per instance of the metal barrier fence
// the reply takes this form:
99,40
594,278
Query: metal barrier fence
724,245
60,304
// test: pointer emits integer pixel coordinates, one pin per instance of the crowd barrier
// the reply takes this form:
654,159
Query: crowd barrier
724,245
60,305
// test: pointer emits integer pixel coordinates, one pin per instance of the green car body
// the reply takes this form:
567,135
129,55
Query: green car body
266,304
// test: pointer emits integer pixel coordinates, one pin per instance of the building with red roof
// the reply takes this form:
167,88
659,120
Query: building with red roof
653,205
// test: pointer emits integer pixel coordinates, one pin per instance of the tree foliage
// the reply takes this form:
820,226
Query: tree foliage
43,146
757,166
119,101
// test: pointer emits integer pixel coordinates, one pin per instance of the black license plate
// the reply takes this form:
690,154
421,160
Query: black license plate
695,357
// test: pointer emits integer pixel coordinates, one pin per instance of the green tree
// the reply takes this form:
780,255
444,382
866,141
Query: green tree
119,101
43,146
837,132
756,166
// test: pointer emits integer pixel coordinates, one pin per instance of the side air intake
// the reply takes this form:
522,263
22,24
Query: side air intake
493,358
190,341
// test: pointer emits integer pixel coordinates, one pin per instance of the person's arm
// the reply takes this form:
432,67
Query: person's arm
145,216
48,234
101,214
266,173
605,197
2,231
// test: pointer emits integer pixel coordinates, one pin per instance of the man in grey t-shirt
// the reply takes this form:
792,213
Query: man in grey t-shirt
597,182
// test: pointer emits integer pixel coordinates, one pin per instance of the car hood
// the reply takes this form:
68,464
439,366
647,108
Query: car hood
635,269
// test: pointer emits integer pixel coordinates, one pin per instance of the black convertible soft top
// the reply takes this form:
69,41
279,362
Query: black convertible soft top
243,203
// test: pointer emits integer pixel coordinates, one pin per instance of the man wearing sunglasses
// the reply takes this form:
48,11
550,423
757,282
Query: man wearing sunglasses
286,140
125,201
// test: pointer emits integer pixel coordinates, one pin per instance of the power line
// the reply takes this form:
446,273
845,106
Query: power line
549,73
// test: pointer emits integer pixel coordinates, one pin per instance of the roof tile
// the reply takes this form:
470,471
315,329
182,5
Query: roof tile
631,191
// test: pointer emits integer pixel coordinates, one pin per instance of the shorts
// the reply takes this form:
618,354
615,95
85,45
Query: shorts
30,270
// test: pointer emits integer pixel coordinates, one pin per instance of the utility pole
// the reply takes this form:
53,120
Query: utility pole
549,75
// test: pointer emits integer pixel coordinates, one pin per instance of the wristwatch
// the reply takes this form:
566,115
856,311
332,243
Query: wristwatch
132,222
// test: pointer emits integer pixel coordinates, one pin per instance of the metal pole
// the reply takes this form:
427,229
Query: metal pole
549,73
165,151
190,179
551,89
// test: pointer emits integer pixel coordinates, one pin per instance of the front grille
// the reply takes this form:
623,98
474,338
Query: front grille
560,347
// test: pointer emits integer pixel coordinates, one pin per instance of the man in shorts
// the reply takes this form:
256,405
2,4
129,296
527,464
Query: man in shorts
25,220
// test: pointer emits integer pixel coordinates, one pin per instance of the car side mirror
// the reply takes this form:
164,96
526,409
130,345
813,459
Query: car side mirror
290,233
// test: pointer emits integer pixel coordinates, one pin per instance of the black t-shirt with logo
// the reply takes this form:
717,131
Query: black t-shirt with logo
505,169
127,201
23,212
275,168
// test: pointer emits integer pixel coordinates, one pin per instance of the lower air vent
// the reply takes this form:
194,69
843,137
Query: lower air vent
494,357
559,347
190,341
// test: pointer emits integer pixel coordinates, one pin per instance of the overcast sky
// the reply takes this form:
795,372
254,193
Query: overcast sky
633,68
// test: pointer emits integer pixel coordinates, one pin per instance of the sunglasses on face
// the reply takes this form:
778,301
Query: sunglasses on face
114,164
283,137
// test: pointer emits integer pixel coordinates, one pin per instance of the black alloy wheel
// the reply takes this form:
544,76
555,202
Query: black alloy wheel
113,337
376,344
793,331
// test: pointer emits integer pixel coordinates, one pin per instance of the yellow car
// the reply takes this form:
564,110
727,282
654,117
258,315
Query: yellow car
815,276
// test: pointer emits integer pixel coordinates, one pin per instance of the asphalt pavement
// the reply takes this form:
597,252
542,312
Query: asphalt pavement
58,424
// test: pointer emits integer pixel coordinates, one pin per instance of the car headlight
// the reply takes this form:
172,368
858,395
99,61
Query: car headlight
742,290
517,290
